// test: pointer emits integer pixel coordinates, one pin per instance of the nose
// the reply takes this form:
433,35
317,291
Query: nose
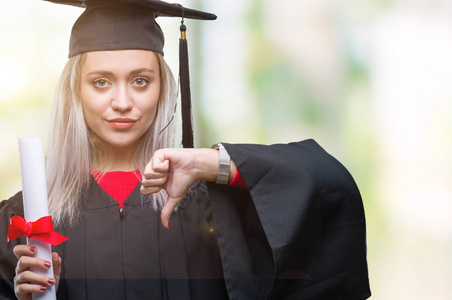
122,100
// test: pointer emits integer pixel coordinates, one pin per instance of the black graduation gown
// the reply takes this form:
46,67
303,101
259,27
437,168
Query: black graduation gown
298,233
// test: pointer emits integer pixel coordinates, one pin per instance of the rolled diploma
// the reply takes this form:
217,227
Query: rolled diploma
34,191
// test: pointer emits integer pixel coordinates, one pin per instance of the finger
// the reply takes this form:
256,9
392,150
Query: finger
161,166
154,182
25,262
152,174
157,164
21,250
25,289
28,276
168,210
156,173
56,259
150,190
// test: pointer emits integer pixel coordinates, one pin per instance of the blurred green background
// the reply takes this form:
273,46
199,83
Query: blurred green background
370,80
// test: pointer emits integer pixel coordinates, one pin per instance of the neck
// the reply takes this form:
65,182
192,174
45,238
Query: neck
122,159
117,159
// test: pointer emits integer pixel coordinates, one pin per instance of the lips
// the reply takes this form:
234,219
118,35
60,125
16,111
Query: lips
121,123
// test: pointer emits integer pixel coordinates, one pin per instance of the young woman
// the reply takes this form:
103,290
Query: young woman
149,221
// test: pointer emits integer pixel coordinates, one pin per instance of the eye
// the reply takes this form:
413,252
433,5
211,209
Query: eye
140,81
100,83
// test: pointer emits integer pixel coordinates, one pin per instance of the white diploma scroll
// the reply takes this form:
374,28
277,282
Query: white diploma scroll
34,190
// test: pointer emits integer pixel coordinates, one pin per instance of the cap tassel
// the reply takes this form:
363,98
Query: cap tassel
184,77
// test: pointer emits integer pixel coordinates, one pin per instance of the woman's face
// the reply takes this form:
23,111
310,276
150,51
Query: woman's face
119,92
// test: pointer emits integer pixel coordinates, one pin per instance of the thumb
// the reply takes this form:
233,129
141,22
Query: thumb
56,259
168,210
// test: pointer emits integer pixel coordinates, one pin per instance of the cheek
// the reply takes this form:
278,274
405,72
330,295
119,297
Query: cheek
149,112
149,105
92,108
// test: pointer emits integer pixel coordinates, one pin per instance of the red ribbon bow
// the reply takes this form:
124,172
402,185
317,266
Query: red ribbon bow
41,229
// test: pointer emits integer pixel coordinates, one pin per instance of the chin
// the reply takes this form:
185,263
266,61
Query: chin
122,140
124,144
119,143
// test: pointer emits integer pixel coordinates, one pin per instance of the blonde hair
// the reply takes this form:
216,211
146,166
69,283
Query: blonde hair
72,148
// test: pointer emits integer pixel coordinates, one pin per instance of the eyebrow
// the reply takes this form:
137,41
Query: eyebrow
142,70
108,73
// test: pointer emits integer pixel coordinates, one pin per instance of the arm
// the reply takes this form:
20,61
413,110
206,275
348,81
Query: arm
301,199
16,257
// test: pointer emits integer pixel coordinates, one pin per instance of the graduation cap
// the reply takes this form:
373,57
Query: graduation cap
130,24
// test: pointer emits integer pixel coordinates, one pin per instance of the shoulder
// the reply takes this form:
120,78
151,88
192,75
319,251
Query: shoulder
8,208
12,207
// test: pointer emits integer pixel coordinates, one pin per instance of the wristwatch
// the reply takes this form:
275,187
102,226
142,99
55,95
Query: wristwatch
224,163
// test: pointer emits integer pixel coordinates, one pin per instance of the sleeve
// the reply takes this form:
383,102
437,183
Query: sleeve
300,231
238,180
8,208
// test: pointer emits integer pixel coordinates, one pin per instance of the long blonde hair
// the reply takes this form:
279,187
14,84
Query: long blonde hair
72,148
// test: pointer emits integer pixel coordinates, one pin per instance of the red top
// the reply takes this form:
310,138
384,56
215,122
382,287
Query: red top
120,184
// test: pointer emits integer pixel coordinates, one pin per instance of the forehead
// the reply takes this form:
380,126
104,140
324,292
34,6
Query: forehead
120,60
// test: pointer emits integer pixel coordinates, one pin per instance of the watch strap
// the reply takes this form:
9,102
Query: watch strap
224,163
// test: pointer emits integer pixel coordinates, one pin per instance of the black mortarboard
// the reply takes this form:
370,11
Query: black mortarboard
130,24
